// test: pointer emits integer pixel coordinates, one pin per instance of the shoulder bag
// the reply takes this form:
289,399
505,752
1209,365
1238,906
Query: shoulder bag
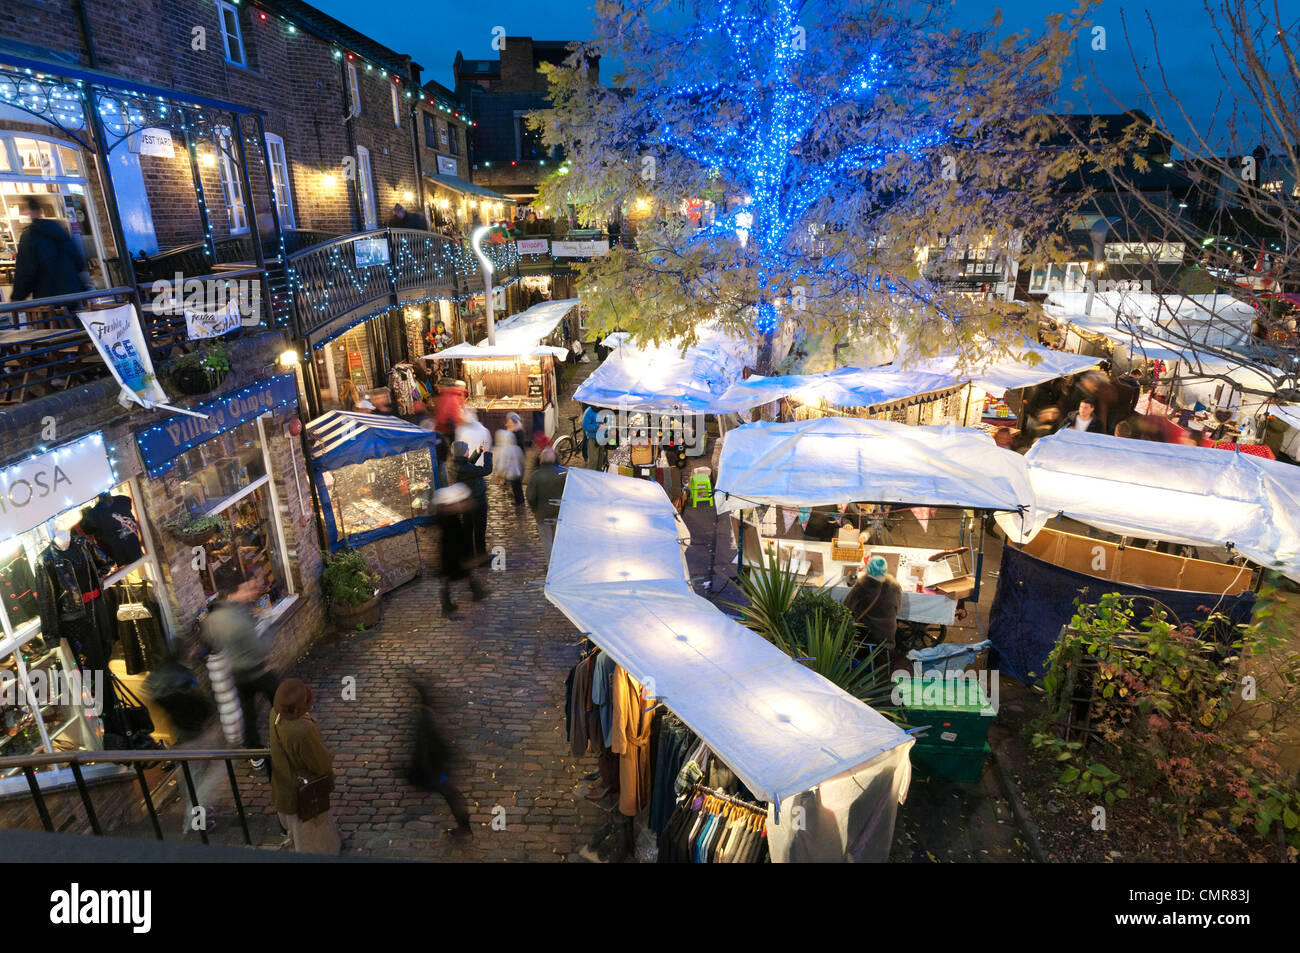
313,795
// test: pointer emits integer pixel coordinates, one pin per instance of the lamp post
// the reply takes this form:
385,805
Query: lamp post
476,242
1097,232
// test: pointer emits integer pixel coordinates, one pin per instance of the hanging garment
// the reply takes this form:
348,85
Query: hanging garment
602,694
18,588
630,740
112,524
139,625
580,709
71,605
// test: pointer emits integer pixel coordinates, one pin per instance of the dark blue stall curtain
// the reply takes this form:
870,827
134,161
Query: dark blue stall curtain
1035,599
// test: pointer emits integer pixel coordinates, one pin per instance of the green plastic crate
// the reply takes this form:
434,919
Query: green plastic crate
954,720
949,762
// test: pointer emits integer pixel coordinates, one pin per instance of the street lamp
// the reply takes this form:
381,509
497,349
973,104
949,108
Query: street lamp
476,242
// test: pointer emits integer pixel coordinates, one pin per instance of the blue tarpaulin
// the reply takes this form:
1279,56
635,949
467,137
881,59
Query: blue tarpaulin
1035,599
340,439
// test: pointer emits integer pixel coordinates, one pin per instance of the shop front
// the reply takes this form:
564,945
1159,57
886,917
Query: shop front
79,598
230,507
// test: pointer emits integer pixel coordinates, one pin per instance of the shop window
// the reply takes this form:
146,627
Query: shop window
5,165
383,492
228,477
70,161
36,157
47,705
230,33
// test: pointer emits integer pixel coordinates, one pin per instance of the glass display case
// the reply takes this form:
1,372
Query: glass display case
378,494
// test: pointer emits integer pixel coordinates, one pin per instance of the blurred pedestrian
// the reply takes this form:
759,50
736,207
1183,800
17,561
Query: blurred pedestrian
430,768
301,765
230,628
47,263
469,467
455,511
544,492
171,686
508,463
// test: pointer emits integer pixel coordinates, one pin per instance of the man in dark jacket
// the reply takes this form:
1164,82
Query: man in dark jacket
546,485
48,263
875,601
470,471
404,219
455,510
1084,419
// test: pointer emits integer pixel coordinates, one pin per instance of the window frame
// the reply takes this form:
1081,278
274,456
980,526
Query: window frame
354,89
366,190
397,105
232,187
280,169
223,8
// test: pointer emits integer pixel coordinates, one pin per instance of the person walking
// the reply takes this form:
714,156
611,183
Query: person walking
454,510
299,759
470,470
171,686
590,429
47,263
508,463
431,763
230,628
544,492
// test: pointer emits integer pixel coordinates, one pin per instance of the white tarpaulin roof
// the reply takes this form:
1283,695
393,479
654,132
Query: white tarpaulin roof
660,378
1171,492
834,460
618,573
519,335
1215,320
1290,413
1011,374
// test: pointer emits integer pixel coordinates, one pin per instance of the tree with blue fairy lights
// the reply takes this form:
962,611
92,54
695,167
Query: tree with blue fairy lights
818,165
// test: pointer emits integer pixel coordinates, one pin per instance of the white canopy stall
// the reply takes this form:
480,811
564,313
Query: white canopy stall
517,374
1170,492
838,460
618,573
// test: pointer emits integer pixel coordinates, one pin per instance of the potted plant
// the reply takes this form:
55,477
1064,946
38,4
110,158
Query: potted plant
352,589
202,370
196,530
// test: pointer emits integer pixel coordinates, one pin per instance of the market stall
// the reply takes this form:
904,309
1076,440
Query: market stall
863,476
374,476
793,738
518,373
1140,490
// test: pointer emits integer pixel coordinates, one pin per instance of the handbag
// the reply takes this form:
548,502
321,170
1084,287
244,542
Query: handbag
130,611
128,724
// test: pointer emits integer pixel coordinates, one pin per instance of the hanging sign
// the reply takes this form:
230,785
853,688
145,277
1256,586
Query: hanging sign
162,443
212,324
590,249
120,342
155,142
45,485
531,246
447,166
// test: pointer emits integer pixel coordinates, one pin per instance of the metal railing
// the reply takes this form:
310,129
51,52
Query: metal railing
138,760
370,271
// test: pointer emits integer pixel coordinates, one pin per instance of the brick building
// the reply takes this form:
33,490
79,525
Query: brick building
506,156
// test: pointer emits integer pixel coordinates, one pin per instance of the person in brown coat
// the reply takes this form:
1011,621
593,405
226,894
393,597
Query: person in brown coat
875,600
298,754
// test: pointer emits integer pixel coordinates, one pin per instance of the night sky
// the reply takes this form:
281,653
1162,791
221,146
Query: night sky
432,33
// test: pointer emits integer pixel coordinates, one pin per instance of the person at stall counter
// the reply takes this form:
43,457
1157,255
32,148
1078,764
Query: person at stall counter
1085,419
875,601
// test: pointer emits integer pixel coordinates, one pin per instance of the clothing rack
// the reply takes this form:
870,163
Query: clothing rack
697,789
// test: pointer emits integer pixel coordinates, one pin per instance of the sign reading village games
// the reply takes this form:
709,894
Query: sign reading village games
162,443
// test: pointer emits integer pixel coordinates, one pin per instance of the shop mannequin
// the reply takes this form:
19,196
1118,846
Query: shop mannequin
70,603
62,539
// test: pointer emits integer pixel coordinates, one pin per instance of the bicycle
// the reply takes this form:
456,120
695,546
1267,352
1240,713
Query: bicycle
569,445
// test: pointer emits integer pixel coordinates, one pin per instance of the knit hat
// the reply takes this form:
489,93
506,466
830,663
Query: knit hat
877,568
293,698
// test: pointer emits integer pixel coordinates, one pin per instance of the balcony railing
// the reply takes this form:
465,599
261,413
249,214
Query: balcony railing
335,283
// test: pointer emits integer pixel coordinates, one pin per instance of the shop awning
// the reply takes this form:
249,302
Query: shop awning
1288,413
1011,374
1170,492
465,187
617,572
831,460
519,335
660,378
340,438
1216,320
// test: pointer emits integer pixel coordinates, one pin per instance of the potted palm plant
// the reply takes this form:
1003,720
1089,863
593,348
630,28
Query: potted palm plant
352,590
202,370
